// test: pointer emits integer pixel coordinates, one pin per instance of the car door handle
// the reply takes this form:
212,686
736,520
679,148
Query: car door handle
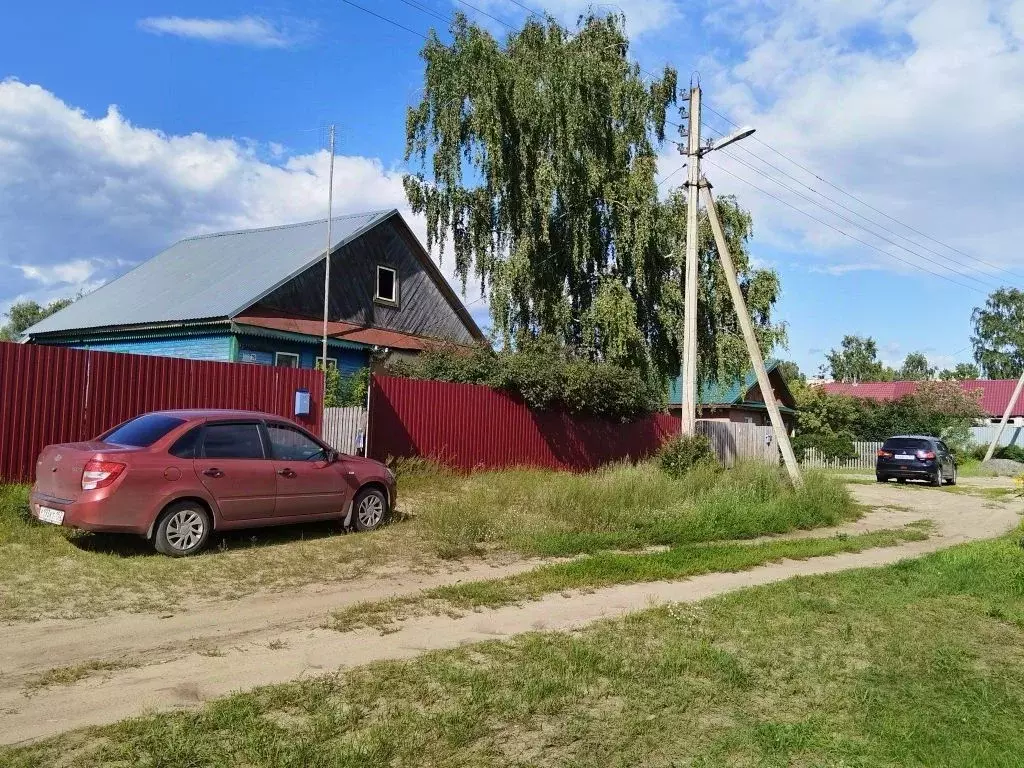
286,472
213,472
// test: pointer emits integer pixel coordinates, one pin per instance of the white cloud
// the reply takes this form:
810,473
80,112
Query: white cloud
82,198
245,30
74,272
913,105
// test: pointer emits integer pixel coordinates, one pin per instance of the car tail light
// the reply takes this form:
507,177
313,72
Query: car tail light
884,454
100,474
926,455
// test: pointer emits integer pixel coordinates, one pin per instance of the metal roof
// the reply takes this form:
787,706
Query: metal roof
995,393
720,392
210,276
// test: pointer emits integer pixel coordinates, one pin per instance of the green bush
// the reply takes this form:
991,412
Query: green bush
681,454
545,375
1011,452
342,391
832,447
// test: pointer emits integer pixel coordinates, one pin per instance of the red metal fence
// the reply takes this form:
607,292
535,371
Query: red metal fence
56,395
466,426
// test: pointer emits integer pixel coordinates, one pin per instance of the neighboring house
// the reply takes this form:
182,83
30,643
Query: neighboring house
995,394
740,400
257,296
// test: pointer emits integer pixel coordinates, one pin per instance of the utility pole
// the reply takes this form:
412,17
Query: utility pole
327,260
688,372
751,339
1006,417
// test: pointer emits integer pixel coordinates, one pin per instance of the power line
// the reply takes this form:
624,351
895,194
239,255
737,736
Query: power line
862,216
385,18
426,10
669,122
805,169
848,220
843,232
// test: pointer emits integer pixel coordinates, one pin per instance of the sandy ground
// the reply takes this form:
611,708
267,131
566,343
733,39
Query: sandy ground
184,660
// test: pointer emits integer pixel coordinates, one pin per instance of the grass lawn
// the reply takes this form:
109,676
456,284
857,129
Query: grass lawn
916,664
47,571
607,568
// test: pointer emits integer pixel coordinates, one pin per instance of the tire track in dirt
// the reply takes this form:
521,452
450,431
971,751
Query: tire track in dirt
302,649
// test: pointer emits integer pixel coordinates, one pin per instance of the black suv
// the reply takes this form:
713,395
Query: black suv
915,457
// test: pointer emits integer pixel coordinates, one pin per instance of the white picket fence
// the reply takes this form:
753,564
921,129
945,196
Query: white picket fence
345,429
866,454
735,441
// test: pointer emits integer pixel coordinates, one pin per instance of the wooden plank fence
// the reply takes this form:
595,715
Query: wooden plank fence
345,429
866,454
735,441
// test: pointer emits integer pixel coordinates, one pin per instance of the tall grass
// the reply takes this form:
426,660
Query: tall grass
540,512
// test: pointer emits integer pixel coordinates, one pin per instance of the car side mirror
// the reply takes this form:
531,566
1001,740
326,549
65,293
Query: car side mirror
333,457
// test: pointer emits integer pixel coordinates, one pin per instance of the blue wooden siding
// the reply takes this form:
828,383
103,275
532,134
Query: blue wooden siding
254,349
216,347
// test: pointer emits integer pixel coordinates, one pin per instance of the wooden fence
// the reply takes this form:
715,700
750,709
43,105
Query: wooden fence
866,454
734,441
345,429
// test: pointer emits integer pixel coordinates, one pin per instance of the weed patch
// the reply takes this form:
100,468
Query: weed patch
605,569
919,664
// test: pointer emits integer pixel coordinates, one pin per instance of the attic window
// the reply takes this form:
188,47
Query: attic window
387,285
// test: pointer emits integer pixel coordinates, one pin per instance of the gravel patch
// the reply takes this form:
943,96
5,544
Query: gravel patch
1004,467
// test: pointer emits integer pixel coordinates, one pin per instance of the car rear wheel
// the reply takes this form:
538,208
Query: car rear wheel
952,478
881,479
901,480
371,509
936,480
183,530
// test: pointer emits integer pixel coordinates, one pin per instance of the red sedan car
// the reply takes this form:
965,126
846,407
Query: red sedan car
176,476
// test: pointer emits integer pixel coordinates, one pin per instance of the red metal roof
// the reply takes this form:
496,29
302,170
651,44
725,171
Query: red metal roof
338,330
995,393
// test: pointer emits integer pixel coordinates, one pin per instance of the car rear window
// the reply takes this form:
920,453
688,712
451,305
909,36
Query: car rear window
143,431
897,443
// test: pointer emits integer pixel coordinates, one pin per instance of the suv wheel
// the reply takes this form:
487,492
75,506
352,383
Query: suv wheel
370,509
936,480
952,478
183,529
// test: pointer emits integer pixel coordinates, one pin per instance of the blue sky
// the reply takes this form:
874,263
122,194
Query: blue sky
122,130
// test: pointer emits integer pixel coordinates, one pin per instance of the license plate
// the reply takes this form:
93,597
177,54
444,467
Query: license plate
50,515
904,457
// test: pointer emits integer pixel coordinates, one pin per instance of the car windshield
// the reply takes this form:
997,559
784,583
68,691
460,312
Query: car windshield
906,444
143,431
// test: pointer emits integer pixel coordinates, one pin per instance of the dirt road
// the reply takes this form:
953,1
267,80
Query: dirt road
186,659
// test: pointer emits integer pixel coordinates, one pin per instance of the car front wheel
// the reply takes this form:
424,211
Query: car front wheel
183,530
371,509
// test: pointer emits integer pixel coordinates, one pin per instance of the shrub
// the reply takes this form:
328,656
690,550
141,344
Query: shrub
832,447
1011,452
681,454
545,375
342,391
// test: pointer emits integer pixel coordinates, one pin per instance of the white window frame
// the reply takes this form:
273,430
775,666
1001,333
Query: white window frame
393,299
330,360
293,355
